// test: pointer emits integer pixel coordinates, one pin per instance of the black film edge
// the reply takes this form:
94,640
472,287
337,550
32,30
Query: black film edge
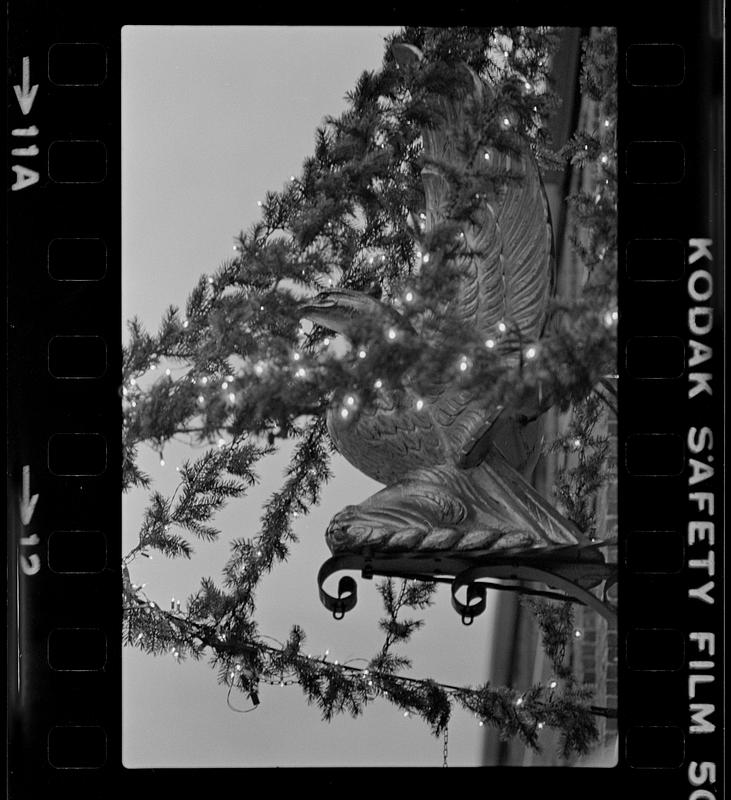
64,368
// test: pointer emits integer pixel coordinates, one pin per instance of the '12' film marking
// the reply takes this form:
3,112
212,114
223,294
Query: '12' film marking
31,564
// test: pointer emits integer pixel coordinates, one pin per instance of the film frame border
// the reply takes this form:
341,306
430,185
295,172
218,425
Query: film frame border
65,718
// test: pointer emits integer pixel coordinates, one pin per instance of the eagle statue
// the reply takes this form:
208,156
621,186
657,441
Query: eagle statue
455,466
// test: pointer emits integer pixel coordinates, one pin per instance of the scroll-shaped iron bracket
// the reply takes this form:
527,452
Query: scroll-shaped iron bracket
347,596
470,573
476,601
526,572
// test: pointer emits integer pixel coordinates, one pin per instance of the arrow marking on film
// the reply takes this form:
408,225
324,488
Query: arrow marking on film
27,503
26,93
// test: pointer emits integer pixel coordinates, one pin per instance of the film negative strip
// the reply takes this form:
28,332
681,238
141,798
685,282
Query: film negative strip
661,656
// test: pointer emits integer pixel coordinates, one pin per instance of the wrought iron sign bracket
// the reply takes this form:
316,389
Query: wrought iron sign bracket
567,578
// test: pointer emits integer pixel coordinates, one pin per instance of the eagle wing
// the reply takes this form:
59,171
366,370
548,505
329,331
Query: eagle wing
507,267
506,259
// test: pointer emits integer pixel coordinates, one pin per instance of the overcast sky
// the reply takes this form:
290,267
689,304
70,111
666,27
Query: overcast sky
212,119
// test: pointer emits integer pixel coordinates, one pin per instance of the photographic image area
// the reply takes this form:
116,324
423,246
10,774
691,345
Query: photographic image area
369,396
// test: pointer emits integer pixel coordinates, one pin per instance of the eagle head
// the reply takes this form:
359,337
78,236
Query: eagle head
336,309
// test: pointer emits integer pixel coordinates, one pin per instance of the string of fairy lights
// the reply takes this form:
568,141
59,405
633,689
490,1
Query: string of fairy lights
133,392
531,705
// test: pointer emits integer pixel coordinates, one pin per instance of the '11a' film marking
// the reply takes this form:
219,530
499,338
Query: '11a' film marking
26,95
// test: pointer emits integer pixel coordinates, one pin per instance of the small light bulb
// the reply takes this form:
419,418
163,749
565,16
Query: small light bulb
490,343
378,384
577,634
162,462
530,352
506,122
132,381
502,327
419,405
344,413
519,701
540,726
418,253
185,323
606,123
350,400
201,399
463,365
259,203
487,156
553,684
391,333
167,371
409,297
326,341
362,354
604,159
229,377
210,280
296,356
406,713
527,86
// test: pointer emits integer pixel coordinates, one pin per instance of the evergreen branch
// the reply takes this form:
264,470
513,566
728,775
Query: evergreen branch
244,662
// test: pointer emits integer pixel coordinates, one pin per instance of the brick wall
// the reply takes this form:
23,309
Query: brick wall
595,653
